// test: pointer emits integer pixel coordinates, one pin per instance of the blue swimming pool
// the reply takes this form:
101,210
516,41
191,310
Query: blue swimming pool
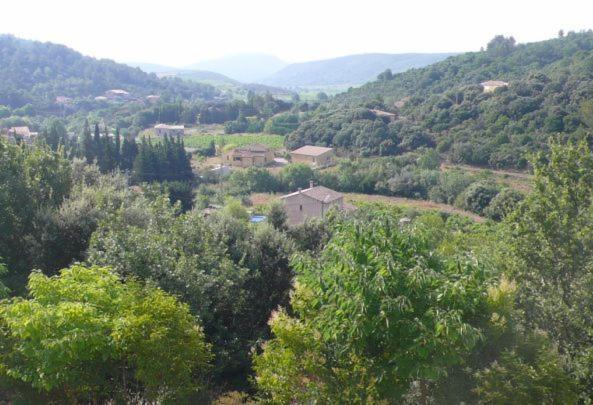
257,218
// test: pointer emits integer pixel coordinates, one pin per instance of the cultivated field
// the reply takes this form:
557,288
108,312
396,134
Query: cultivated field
200,137
233,140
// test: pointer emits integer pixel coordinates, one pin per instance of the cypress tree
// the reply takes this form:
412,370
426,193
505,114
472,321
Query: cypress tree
87,143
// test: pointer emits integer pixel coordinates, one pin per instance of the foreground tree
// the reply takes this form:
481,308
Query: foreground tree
86,336
552,246
379,310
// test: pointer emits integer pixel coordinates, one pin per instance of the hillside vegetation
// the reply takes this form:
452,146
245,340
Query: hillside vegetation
36,73
444,106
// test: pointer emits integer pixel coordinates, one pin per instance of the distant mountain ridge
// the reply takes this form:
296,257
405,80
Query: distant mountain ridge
349,70
246,68
445,105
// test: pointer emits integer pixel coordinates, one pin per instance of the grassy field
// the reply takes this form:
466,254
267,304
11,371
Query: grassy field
194,138
234,140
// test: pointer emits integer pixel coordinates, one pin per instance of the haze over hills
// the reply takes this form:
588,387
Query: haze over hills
444,106
202,76
247,68
351,70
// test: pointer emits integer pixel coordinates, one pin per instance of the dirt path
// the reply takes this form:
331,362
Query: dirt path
467,168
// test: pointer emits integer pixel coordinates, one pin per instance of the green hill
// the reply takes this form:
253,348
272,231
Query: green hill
36,73
444,106
351,70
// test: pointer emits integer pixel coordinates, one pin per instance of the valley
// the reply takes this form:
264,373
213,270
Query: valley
377,228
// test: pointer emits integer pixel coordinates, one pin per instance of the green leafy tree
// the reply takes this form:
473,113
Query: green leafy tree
551,242
84,335
296,175
30,179
276,216
376,311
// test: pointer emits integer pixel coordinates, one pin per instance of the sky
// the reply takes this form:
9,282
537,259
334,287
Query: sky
178,33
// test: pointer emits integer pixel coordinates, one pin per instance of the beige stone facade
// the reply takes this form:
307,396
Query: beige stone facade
249,156
317,156
313,202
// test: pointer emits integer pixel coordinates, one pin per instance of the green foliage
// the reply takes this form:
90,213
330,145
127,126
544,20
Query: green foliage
31,179
503,204
36,73
282,124
444,105
276,216
551,244
231,275
254,179
162,161
533,373
85,335
478,196
238,140
377,310
296,175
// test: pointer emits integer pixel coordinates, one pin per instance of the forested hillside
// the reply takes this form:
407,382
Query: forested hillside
443,105
349,70
36,73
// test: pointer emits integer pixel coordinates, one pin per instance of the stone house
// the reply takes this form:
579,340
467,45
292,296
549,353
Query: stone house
169,130
249,156
317,156
313,202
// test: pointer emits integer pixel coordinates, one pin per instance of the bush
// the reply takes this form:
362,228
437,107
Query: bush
504,203
478,196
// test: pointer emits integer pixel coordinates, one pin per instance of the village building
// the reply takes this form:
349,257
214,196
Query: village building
21,134
313,202
152,98
317,156
249,156
117,94
384,114
169,130
492,85
63,100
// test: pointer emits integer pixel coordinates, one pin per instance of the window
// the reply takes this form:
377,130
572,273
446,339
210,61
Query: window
300,207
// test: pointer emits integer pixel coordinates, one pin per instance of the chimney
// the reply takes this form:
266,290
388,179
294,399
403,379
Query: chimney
300,189
311,184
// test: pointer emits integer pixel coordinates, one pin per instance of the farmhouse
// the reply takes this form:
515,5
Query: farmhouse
117,94
169,130
22,134
313,202
249,156
492,85
384,114
314,155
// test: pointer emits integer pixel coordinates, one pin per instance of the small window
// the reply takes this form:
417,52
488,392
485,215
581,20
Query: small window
300,207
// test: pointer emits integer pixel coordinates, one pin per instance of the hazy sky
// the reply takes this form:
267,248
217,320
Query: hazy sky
176,32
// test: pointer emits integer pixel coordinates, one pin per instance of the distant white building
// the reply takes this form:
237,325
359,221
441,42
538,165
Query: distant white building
117,94
491,85
169,130
152,98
